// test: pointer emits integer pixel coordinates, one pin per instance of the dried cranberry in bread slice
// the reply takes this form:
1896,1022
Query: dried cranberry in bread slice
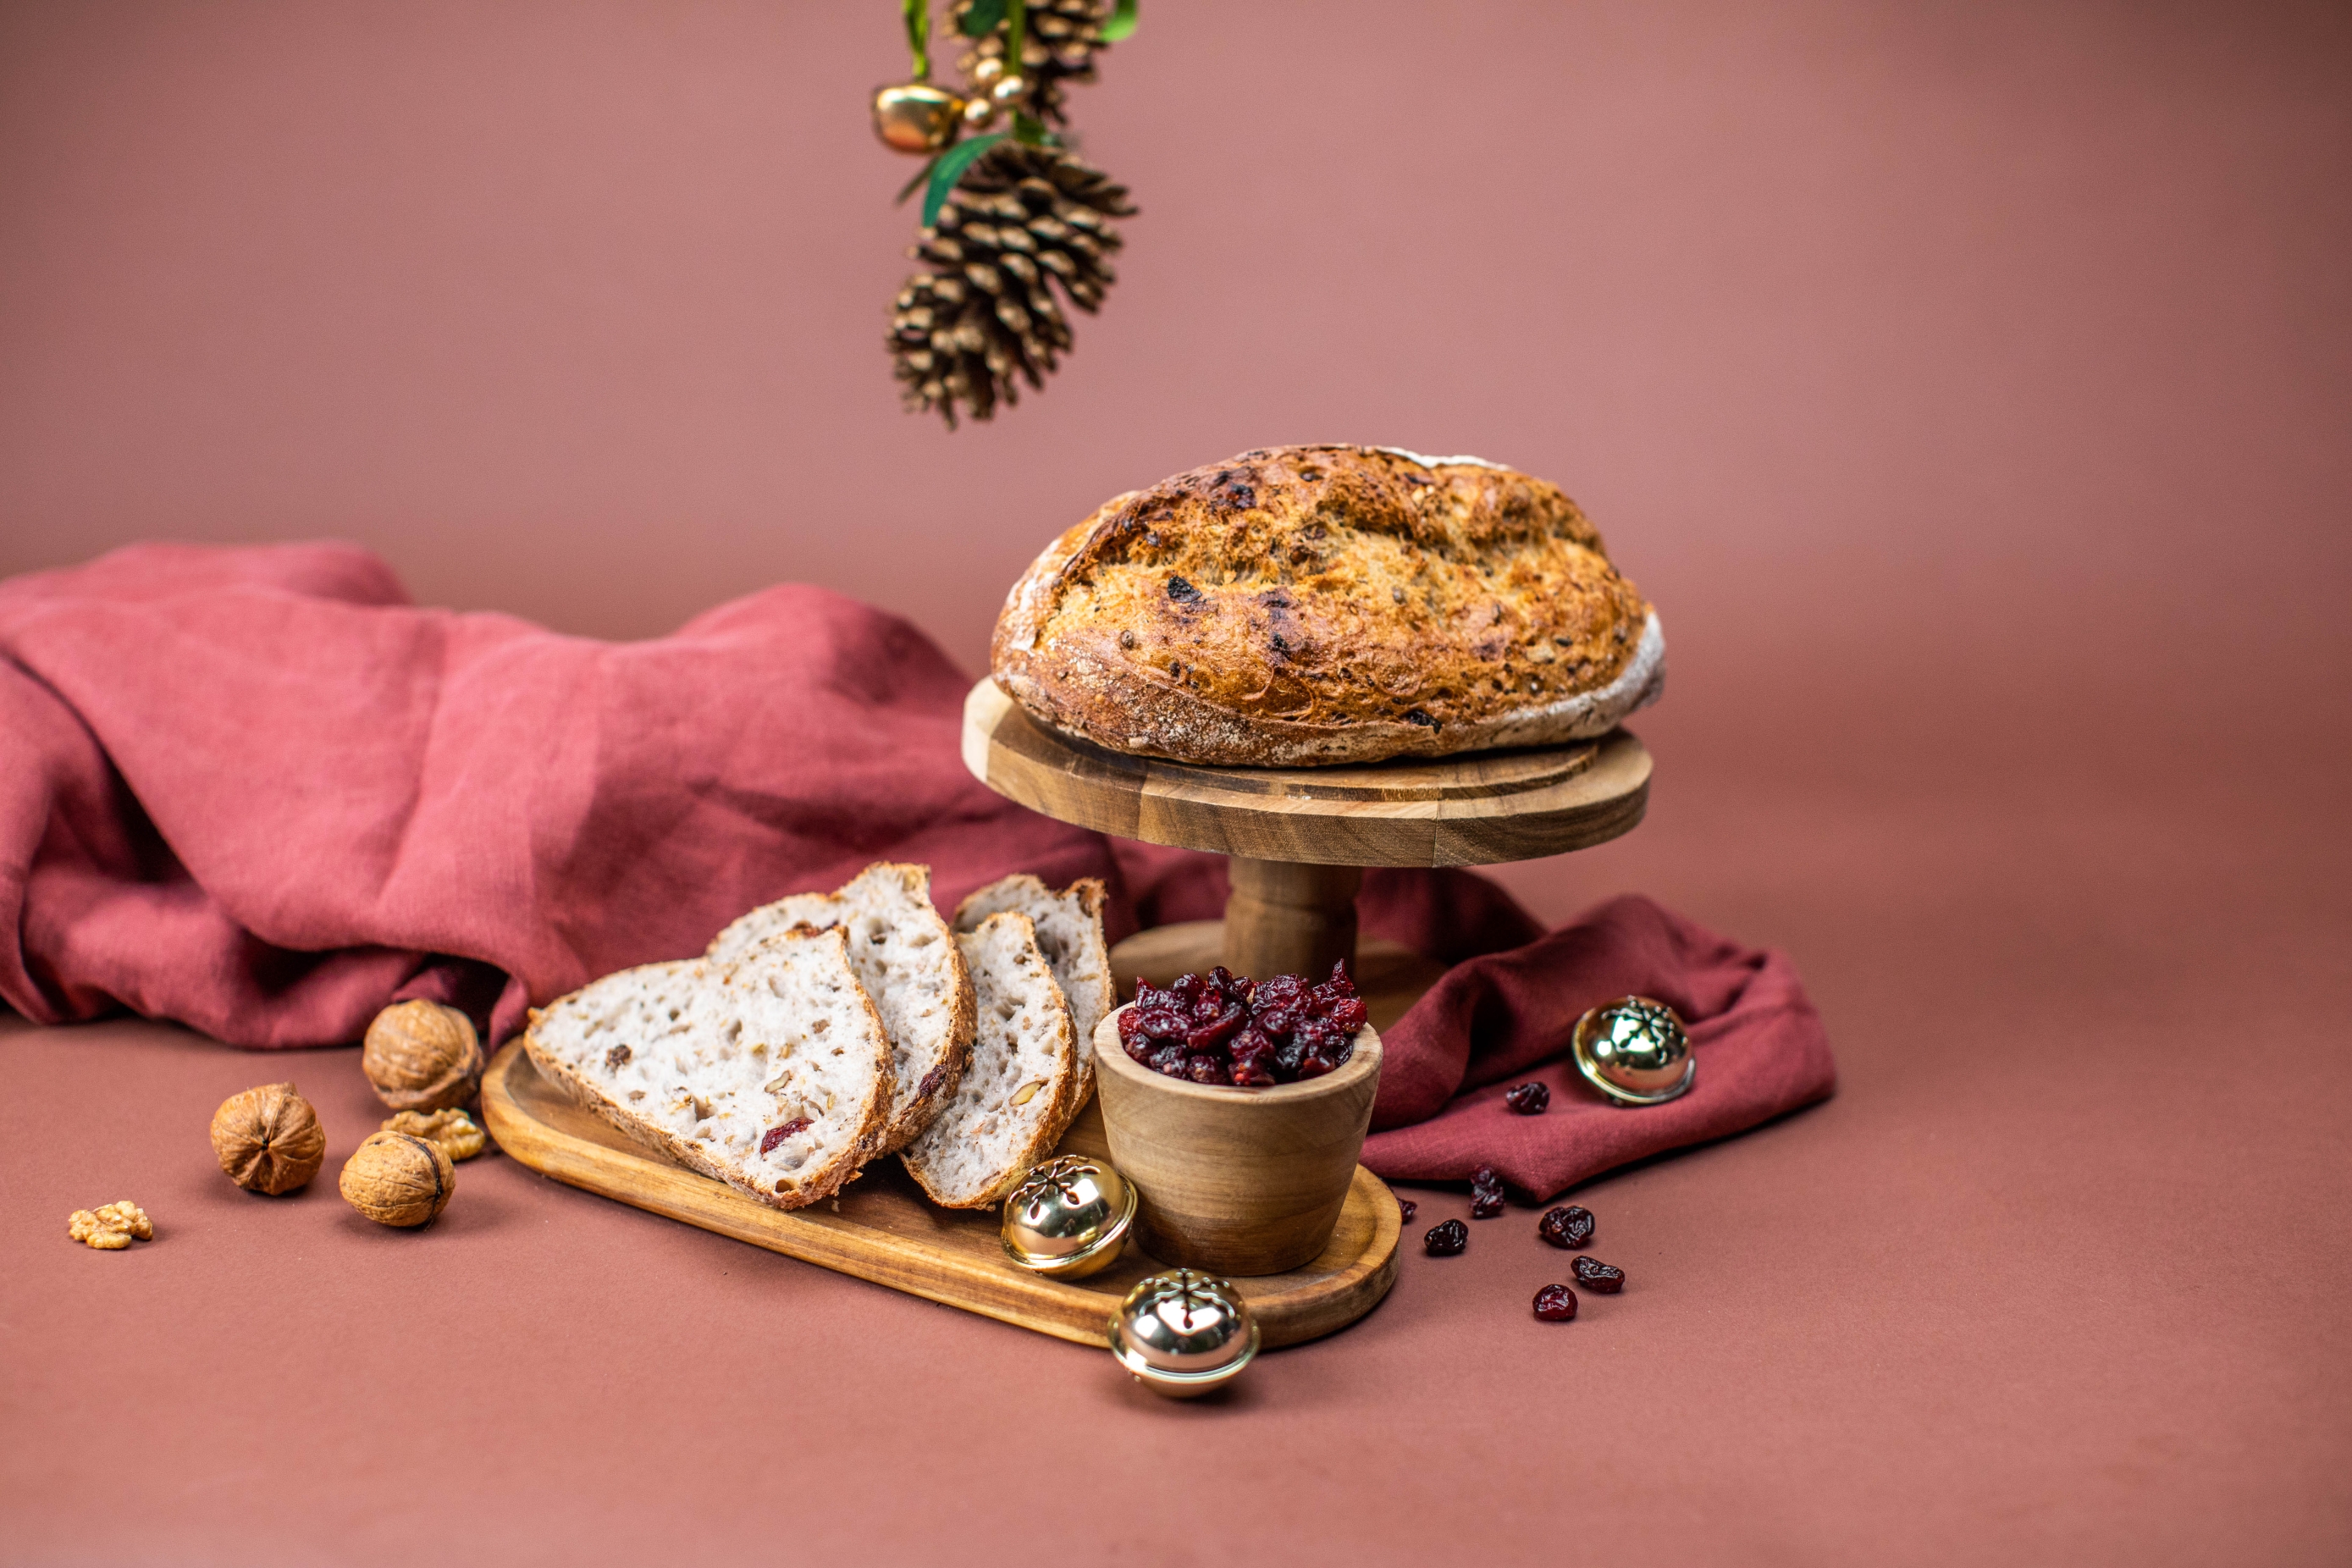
1307,606
1070,934
907,959
771,1073
1018,1095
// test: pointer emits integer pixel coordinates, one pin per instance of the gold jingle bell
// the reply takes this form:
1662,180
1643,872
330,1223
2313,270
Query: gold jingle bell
917,117
1635,1051
1068,1218
1184,1333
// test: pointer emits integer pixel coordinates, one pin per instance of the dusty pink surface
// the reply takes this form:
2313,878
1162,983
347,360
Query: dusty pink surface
1969,390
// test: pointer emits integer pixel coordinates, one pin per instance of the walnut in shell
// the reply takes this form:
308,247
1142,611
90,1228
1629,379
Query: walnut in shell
268,1138
398,1179
421,1056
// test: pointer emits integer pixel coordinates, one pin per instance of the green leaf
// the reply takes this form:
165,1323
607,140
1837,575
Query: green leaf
1121,22
983,18
949,168
1032,131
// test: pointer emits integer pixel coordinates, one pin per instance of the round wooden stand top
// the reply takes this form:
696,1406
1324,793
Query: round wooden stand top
1477,810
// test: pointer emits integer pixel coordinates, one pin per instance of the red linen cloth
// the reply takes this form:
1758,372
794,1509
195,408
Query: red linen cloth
1504,1019
258,792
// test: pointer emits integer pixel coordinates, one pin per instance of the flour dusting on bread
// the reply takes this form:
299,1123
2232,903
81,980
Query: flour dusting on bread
1302,605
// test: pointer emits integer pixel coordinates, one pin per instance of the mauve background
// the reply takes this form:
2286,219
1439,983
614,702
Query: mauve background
1968,386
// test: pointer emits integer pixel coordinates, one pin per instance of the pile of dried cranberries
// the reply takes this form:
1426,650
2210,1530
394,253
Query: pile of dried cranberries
1216,1028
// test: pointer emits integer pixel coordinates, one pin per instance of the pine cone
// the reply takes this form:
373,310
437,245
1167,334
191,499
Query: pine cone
1020,219
1058,45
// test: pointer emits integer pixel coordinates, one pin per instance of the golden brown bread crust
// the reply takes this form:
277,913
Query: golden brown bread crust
1322,605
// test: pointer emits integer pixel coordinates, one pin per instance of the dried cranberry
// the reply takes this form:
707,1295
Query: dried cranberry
1318,1035
1282,991
1569,1227
1555,1303
1405,1208
1208,1036
1160,1020
1447,1239
1486,1192
1527,1099
1219,1027
1254,1072
1595,1275
775,1135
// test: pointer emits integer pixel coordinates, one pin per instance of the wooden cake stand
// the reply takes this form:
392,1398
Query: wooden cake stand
1297,839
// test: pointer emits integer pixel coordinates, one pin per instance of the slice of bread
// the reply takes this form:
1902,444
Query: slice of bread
771,1073
1019,1093
1070,934
907,962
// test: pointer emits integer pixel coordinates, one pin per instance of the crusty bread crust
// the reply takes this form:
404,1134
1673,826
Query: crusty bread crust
1302,605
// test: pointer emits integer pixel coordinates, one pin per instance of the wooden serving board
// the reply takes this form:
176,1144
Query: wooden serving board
1473,810
881,1228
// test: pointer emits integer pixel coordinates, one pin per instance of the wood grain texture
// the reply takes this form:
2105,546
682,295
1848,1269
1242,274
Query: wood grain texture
881,1229
1477,810
1283,918
1239,1182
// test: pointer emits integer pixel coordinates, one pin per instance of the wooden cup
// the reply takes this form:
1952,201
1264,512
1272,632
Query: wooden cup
1235,1181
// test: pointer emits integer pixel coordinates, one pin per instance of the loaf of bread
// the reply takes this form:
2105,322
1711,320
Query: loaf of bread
1304,606
771,1073
906,959
1069,927
1019,1090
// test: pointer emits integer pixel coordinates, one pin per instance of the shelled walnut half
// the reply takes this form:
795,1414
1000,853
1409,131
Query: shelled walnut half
453,1130
111,1226
268,1138
421,1056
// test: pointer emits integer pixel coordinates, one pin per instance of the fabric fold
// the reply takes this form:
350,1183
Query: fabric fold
1505,1018
258,792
